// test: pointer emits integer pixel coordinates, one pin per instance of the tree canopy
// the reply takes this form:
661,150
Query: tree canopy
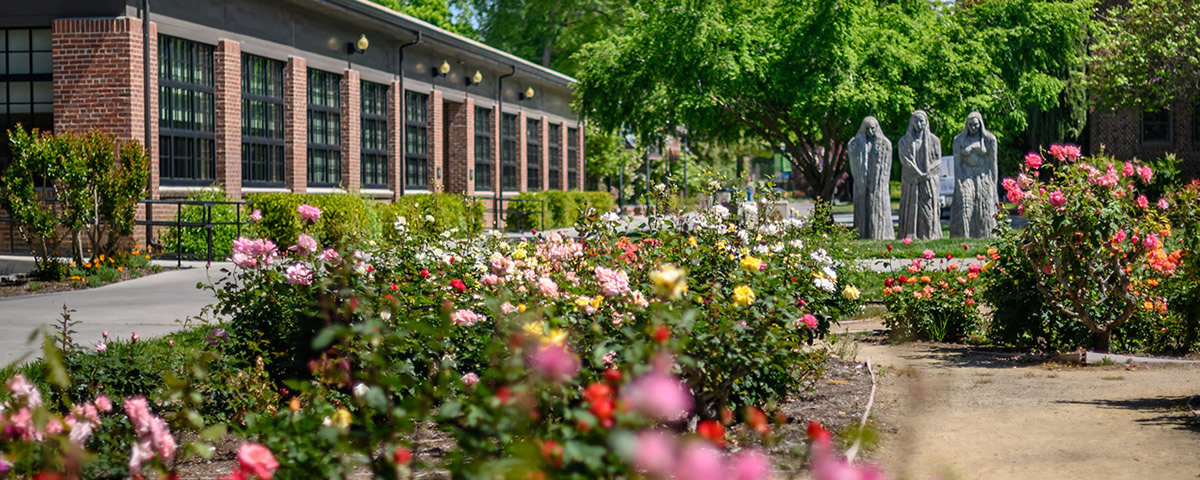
802,74
1146,54
436,12
547,32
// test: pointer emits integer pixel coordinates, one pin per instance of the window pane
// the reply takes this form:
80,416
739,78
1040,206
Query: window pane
18,40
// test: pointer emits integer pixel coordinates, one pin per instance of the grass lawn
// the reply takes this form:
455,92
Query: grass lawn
940,247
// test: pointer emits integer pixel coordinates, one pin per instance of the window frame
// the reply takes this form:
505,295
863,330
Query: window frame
533,155
554,162
1169,122
31,119
572,158
169,135
328,153
270,144
373,151
509,136
483,156
416,119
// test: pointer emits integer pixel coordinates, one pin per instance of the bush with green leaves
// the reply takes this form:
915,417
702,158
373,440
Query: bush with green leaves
346,219
934,304
195,240
552,209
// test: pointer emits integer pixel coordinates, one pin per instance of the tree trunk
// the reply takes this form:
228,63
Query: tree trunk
547,48
1102,340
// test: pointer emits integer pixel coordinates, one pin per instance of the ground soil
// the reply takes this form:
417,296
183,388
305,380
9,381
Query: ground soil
953,411
18,287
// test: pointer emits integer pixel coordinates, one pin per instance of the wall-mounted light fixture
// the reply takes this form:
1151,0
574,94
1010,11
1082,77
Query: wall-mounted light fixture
527,94
475,79
359,47
442,70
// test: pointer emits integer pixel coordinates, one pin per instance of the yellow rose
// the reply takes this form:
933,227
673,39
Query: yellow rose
851,292
521,308
743,295
692,241
750,263
533,329
668,282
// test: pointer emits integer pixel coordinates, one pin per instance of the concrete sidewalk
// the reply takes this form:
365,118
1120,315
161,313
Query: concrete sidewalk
149,306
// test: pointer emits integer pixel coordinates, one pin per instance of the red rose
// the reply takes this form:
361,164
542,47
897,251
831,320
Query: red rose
402,455
424,273
661,334
713,431
458,285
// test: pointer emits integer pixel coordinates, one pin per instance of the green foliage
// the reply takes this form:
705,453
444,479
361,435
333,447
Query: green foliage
437,12
548,32
345,219
552,209
433,215
95,186
1144,54
195,239
937,305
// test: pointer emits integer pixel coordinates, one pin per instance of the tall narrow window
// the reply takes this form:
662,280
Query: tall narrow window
508,152
262,121
533,155
374,135
572,158
554,144
483,149
324,129
416,140
26,86
186,135
1156,126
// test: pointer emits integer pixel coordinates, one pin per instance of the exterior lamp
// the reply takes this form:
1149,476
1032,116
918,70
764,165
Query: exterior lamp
527,94
475,79
442,70
359,47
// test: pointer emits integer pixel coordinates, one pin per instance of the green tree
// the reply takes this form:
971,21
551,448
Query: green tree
548,32
441,13
1146,54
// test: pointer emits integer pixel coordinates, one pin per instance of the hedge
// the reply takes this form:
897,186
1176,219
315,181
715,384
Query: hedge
350,219
433,214
561,208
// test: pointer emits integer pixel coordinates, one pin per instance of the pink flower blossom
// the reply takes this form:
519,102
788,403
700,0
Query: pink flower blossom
1127,169
133,337
256,215
547,287
1145,173
500,265
655,453
1009,184
1162,204
257,461
927,254
103,403
101,347
490,280
749,464
1057,198
571,277
1014,196
1151,241
1142,202
1033,160
1066,152
507,307
810,321
304,245
22,389
299,274
309,213
554,362
329,256
907,241
470,379
613,283
700,460
1120,236
154,438
660,396
465,318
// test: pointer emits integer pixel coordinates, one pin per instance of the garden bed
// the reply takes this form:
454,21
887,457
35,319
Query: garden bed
28,286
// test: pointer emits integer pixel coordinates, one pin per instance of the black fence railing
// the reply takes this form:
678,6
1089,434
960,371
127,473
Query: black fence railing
517,214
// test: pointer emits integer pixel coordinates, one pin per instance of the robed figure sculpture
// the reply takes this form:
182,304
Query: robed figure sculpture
974,211
871,165
920,166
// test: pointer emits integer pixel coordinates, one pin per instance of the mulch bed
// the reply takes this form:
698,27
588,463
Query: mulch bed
20,286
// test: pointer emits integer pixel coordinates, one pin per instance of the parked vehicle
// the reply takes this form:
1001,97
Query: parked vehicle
946,184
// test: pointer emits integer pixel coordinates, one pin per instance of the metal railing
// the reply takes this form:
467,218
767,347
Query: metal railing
207,223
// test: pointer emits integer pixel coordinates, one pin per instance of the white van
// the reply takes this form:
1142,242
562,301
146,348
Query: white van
946,184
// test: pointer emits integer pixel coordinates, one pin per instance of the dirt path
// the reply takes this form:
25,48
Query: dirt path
952,413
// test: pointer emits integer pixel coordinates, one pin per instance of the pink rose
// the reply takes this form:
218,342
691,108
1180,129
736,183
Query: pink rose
700,461
554,362
256,215
810,321
1142,202
309,213
1162,204
465,318
613,283
470,379
907,241
304,245
1151,241
299,274
329,255
103,403
1127,169
1033,160
660,396
927,254
749,464
655,453
1145,173
1057,198
256,461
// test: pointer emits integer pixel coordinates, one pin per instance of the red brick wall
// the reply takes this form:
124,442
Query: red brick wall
227,65
295,124
436,137
98,80
457,168
351,135
396,138
1120,134
522,171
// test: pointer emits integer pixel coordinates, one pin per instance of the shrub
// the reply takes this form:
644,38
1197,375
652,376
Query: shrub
433,214
554,209
1098,242
933,305
195,240
346,219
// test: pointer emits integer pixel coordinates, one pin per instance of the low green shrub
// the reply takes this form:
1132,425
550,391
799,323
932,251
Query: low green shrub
938,305
194,240
433,214
345,219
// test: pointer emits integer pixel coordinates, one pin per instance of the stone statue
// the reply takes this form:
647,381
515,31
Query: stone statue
871,165
974,211
920,166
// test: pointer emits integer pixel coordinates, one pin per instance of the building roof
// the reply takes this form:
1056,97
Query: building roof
433,33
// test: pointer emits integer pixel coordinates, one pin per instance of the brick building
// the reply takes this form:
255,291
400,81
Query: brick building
278,96
1147,135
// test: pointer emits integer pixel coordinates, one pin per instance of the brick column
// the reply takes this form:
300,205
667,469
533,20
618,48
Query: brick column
579,158
522,171
563,132
295,124
97,71
458,131
395,113
436,142
227,64
351,131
